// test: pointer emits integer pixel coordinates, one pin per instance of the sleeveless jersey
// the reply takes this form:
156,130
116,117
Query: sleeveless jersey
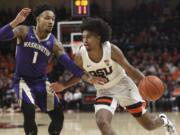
32,55
106,67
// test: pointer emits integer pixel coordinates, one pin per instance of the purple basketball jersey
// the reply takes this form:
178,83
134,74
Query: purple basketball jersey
30,81
32,55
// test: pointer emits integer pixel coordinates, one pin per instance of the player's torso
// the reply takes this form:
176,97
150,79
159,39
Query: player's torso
32,55
106,68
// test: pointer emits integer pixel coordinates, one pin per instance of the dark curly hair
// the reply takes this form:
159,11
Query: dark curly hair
41,8
98,26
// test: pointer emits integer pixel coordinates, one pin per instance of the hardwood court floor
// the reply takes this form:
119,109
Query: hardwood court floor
82,124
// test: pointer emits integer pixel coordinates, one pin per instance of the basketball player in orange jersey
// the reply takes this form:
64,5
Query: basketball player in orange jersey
99,57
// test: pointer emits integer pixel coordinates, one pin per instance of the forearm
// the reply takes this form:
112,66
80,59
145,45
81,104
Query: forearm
72,81
70,65
6,32
135,74
73,68
13,23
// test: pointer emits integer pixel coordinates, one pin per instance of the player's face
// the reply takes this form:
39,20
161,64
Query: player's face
90,40
46,21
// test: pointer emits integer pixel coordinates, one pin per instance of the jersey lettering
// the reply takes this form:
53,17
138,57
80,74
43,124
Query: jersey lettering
102,72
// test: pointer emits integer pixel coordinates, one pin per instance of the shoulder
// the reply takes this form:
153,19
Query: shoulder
107,45
53,37
21,31
58,48
56,42
115,49
81,48
116,52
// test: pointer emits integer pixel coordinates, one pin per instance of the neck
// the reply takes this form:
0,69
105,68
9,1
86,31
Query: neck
96,50
96,54
40,33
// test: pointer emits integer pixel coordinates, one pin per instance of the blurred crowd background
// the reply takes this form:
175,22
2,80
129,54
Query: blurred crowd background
148,34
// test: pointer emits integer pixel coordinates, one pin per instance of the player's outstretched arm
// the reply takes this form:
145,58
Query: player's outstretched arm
7,32
57,87
69,64
119,57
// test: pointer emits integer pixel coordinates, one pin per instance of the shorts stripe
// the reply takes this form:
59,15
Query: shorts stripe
134,106
104,100
107,103
103,103
50,98
24,87
136,109
104,97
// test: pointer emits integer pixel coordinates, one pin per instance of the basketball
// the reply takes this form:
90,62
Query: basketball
151,88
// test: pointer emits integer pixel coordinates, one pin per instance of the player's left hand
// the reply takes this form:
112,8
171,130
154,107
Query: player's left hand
21,16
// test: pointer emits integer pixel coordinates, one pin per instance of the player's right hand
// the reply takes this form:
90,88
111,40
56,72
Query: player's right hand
57,87
21,16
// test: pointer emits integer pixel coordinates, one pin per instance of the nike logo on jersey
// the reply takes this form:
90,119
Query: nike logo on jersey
88,66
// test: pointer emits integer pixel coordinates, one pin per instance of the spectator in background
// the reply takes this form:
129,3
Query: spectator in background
77,99
68,98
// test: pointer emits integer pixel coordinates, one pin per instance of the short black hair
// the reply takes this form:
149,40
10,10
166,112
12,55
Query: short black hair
41,8
98,26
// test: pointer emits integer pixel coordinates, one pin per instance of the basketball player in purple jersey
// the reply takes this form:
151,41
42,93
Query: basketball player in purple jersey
34,47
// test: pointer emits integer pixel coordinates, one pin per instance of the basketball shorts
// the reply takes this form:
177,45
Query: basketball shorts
37,93
125,93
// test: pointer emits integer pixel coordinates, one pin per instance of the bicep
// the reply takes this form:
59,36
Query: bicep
58,49
118,56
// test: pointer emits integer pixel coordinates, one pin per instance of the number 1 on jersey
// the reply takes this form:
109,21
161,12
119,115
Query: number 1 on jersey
35,57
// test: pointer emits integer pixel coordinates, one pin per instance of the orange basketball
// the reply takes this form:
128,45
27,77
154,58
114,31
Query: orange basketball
151,88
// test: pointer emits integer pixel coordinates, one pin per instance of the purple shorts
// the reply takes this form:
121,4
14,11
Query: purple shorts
37,93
